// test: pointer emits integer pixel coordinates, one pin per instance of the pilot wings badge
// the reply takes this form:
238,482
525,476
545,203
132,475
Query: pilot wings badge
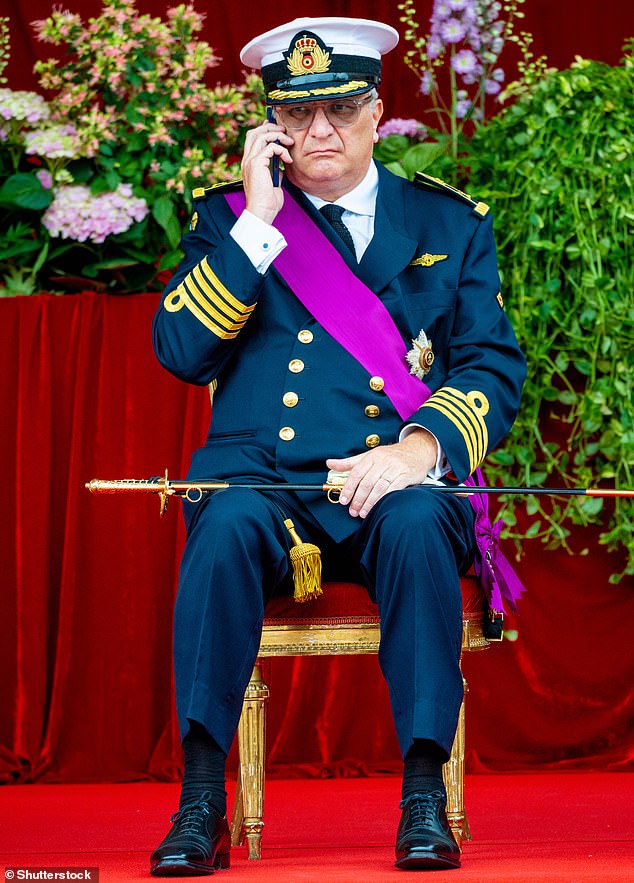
428,260
421,357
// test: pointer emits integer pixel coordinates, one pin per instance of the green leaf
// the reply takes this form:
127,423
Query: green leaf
421,156
397,169
504,458
163,211
584,366
25,191
112,179
173,232
93,270
591,505
171,259
534,529
23,247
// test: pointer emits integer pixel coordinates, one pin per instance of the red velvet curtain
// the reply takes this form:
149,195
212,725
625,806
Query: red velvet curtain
88,585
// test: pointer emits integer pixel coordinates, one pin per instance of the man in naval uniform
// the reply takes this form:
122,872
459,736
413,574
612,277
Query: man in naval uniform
346,320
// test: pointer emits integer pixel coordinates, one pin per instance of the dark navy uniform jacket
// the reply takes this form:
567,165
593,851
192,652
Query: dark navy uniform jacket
286,395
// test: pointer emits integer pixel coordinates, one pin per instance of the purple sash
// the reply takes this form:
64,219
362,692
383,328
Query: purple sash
495,574
350,312
342,304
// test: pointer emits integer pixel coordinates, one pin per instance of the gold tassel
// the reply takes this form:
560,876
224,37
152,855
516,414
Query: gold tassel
306,561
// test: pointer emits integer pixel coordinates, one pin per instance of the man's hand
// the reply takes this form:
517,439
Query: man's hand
262,198
386,468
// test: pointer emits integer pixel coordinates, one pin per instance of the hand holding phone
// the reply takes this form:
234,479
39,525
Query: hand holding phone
275,163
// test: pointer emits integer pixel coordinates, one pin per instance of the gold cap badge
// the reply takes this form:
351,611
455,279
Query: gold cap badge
309,55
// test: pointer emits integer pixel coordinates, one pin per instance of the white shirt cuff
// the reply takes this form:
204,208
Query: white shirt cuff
258,240
441,466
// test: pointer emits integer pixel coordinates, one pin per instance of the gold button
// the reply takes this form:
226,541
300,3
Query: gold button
377,383
290,399
296,366
287,433
372,411
305,336
372,441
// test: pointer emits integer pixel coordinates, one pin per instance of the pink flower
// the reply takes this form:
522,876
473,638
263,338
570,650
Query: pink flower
45,178
410,128
76,214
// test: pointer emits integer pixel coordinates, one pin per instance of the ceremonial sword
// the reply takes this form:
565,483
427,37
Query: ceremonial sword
193,491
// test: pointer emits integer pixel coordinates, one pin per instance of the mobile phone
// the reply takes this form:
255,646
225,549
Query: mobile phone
275,162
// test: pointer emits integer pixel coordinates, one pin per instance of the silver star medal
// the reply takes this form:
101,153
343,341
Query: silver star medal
421,357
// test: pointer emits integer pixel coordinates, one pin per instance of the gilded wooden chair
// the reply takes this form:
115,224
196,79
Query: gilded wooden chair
325,627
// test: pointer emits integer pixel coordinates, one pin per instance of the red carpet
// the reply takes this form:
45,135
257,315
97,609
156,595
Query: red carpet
568,827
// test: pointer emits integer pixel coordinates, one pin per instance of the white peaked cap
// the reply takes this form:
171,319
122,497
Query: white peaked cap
310,59
347,36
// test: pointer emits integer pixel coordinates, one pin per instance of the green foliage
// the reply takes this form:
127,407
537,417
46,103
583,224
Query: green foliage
557,167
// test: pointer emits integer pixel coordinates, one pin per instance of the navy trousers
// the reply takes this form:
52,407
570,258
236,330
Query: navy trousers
409,553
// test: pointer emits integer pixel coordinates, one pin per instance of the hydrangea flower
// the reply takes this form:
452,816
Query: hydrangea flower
53,142
410,128
45,178
28,107
76,214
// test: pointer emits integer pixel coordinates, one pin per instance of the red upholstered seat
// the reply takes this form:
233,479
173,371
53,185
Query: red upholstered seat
339,601
350,602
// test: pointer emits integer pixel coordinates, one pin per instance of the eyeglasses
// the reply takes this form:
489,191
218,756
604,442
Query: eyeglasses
338,113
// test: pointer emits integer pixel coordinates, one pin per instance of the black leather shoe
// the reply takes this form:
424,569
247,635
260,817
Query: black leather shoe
198,842
424,840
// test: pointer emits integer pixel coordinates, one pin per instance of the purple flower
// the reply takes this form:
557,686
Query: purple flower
426,82
464,62
462,108
434,48
453,31
491,87
45,178
397,126
459,5
442,9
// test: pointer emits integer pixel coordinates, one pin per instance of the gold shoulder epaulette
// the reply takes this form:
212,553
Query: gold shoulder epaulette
429,183
219,187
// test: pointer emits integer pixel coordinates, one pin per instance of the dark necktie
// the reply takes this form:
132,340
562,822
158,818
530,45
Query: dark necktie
332,213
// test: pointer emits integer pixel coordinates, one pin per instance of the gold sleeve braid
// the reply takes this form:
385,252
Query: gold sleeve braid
209,301
467,412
